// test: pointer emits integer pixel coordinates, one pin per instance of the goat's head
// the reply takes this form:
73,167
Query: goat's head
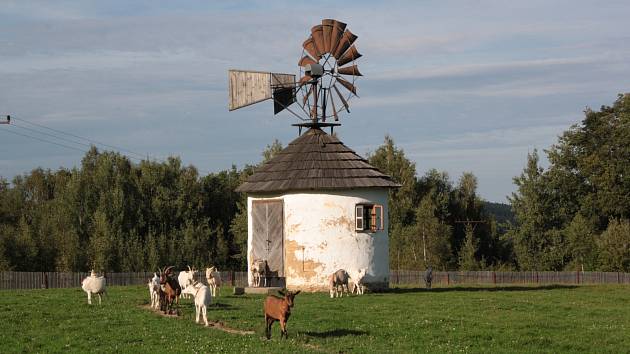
289,296
165,274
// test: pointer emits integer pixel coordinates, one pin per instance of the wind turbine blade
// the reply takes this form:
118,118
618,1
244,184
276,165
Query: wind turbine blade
347,85
348,56
317,32
336,34
327,26
343,100
346,41
350,70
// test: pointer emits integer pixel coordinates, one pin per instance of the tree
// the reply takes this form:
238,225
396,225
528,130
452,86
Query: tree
467,258
433,236
614,246
581,239
271,150
563,211
529,205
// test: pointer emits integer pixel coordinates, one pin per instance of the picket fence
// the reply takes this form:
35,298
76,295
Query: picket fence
44,280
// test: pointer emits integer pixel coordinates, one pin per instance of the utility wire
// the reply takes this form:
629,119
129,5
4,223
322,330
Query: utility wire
44,140
80,137
94,142
52,135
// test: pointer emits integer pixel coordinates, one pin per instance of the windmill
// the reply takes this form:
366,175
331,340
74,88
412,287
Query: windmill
327,79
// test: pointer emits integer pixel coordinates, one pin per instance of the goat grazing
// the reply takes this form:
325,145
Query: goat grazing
278,309
169,290
186,277
214,280
203,299
93,285
154,291
337,279
357,280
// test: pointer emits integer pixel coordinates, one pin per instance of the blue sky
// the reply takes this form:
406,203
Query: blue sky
460,86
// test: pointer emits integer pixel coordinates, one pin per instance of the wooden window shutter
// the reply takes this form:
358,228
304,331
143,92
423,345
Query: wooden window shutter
358,214
373,225
377,211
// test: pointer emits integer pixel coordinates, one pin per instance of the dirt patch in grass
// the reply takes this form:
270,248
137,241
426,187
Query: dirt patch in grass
211,324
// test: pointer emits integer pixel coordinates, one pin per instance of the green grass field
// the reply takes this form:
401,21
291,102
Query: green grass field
457,319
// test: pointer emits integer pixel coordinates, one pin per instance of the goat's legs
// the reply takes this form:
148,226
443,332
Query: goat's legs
89,298
205,314
269,322
99,298
197,313
283,329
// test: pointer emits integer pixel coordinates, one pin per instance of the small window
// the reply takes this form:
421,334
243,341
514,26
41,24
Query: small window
359,217
369,217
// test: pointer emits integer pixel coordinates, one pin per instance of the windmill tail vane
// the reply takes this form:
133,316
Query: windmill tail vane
326,83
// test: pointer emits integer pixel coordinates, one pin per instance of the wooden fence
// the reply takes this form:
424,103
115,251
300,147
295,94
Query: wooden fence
414,277
43,280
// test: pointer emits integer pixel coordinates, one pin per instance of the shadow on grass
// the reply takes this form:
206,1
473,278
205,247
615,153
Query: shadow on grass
335,333
478,288
213,306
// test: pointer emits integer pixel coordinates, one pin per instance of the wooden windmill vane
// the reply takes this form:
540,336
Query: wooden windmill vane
327,79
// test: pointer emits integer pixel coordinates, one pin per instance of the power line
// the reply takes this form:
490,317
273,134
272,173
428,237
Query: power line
44,140
94,142
52,135
80,137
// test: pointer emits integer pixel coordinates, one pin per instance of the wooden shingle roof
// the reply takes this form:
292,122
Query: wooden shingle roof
315,161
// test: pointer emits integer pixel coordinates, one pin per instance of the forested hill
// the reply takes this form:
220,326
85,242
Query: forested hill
502,212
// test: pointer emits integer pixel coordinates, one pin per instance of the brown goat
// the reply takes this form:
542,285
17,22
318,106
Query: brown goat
278,309
169,290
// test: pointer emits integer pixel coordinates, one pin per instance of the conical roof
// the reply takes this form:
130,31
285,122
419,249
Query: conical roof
315,161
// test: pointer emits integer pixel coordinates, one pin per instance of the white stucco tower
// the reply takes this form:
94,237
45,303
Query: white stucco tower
314,208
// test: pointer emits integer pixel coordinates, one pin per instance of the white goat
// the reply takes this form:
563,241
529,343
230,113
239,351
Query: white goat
154,291
93,285
185,278
338,278
214,280
357,280
259,270
203,299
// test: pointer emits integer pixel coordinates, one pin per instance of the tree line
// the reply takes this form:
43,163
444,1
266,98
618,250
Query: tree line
115,215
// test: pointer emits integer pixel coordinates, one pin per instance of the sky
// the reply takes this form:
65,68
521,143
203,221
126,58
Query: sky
461,86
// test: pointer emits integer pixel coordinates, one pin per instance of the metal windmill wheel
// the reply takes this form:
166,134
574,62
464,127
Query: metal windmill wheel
327,78
328,63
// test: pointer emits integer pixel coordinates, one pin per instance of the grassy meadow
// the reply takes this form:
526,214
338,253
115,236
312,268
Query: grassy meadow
456,319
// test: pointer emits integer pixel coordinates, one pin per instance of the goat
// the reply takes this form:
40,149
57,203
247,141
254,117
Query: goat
357,280
279,309
203,299
186,277
338,278
214,279
428,277
259,271
154,291
169,290
93,285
